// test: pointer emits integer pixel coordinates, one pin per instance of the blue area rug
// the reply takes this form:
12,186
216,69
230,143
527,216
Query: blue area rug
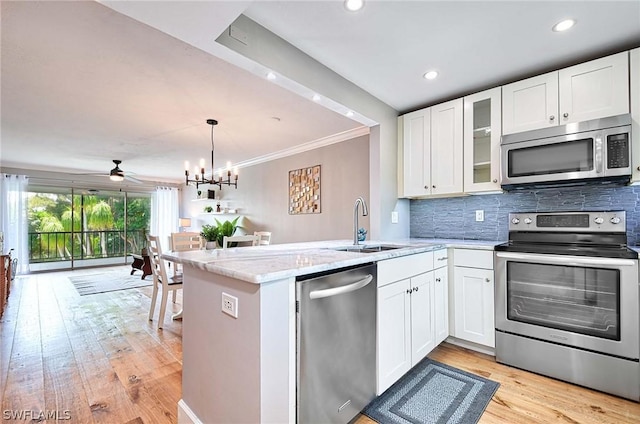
433,393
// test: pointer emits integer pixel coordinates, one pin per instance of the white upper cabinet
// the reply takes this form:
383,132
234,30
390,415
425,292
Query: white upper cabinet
530,104
590,90
595,89
416,153
635,113
446,148
482,131
432,151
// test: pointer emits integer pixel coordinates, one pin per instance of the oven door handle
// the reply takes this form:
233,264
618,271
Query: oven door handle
567,260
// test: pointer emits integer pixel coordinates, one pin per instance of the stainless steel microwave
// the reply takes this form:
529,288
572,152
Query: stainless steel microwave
596,151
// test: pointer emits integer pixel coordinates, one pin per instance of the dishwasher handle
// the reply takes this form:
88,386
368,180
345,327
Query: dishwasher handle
335,291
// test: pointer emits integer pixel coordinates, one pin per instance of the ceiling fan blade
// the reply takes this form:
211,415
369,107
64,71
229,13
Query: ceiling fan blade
133,179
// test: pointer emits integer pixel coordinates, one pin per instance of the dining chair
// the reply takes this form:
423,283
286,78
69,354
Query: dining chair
160,279
264,238
182,242
227,240
185,241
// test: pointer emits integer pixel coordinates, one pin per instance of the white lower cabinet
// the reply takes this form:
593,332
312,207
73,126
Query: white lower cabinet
412,313
405,326
473,296
441,304
394,333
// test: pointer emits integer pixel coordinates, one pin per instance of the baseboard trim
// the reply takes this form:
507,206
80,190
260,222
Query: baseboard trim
471,346
186,415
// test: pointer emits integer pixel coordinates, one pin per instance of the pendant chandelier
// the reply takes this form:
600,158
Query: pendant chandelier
198,175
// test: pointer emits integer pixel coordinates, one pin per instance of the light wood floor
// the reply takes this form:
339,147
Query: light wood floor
100,359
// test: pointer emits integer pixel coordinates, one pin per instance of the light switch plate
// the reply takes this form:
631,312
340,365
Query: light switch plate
394,217
479,215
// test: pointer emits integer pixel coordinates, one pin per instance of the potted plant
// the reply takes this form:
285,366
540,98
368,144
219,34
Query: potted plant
226,228
208,209
210,234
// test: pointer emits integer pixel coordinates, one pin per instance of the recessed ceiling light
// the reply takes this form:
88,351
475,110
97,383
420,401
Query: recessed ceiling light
430,75
353,5
271,76
349,114
316,97
563,25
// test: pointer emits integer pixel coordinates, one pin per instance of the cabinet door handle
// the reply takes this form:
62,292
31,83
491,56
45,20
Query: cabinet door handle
438,280
433,186
426,187
409,291
416,288
487,280
444,258
566,115
551,118
638,168
495,181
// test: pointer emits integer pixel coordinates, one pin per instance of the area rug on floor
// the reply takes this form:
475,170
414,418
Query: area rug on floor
109,281
433,393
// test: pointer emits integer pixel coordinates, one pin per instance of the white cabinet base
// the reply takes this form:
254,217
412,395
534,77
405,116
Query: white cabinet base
471,346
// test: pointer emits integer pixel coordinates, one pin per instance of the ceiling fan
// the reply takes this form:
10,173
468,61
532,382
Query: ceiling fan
117,174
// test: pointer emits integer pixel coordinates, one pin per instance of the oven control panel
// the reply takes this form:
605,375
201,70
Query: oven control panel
595,221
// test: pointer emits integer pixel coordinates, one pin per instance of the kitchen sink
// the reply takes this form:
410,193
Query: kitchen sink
364,248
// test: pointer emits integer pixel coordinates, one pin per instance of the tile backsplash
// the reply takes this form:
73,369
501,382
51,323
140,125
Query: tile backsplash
455,217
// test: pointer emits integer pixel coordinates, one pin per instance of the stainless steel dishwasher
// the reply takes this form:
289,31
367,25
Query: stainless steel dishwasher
336,341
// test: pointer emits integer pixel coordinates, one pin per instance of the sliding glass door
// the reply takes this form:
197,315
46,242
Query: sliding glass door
71,228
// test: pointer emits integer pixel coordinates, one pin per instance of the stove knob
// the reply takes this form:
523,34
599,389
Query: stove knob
515,220
615,220
598,220
527,221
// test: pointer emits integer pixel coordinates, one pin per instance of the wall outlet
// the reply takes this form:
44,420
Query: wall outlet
479,215
394,217
230,305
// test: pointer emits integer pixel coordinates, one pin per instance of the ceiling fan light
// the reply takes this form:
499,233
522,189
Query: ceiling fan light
116,177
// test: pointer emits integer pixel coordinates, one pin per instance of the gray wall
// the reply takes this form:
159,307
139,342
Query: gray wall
455,217
262,194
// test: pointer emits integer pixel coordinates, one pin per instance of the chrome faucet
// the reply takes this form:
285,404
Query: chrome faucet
365,212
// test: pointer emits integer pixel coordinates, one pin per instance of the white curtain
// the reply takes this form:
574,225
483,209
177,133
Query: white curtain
13,210
164,214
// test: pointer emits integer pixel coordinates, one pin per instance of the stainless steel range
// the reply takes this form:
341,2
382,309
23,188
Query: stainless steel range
567,300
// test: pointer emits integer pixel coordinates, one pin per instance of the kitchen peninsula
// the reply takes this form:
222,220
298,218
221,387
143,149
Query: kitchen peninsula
244,369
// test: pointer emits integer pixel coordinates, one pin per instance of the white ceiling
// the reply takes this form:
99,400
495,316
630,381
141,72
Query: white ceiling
84,83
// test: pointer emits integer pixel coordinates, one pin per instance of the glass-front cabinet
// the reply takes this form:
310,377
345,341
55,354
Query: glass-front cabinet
482,131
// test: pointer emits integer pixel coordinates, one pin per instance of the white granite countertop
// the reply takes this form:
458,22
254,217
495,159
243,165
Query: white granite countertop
261,264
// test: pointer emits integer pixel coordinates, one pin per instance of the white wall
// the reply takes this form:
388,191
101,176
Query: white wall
275,53
262,195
